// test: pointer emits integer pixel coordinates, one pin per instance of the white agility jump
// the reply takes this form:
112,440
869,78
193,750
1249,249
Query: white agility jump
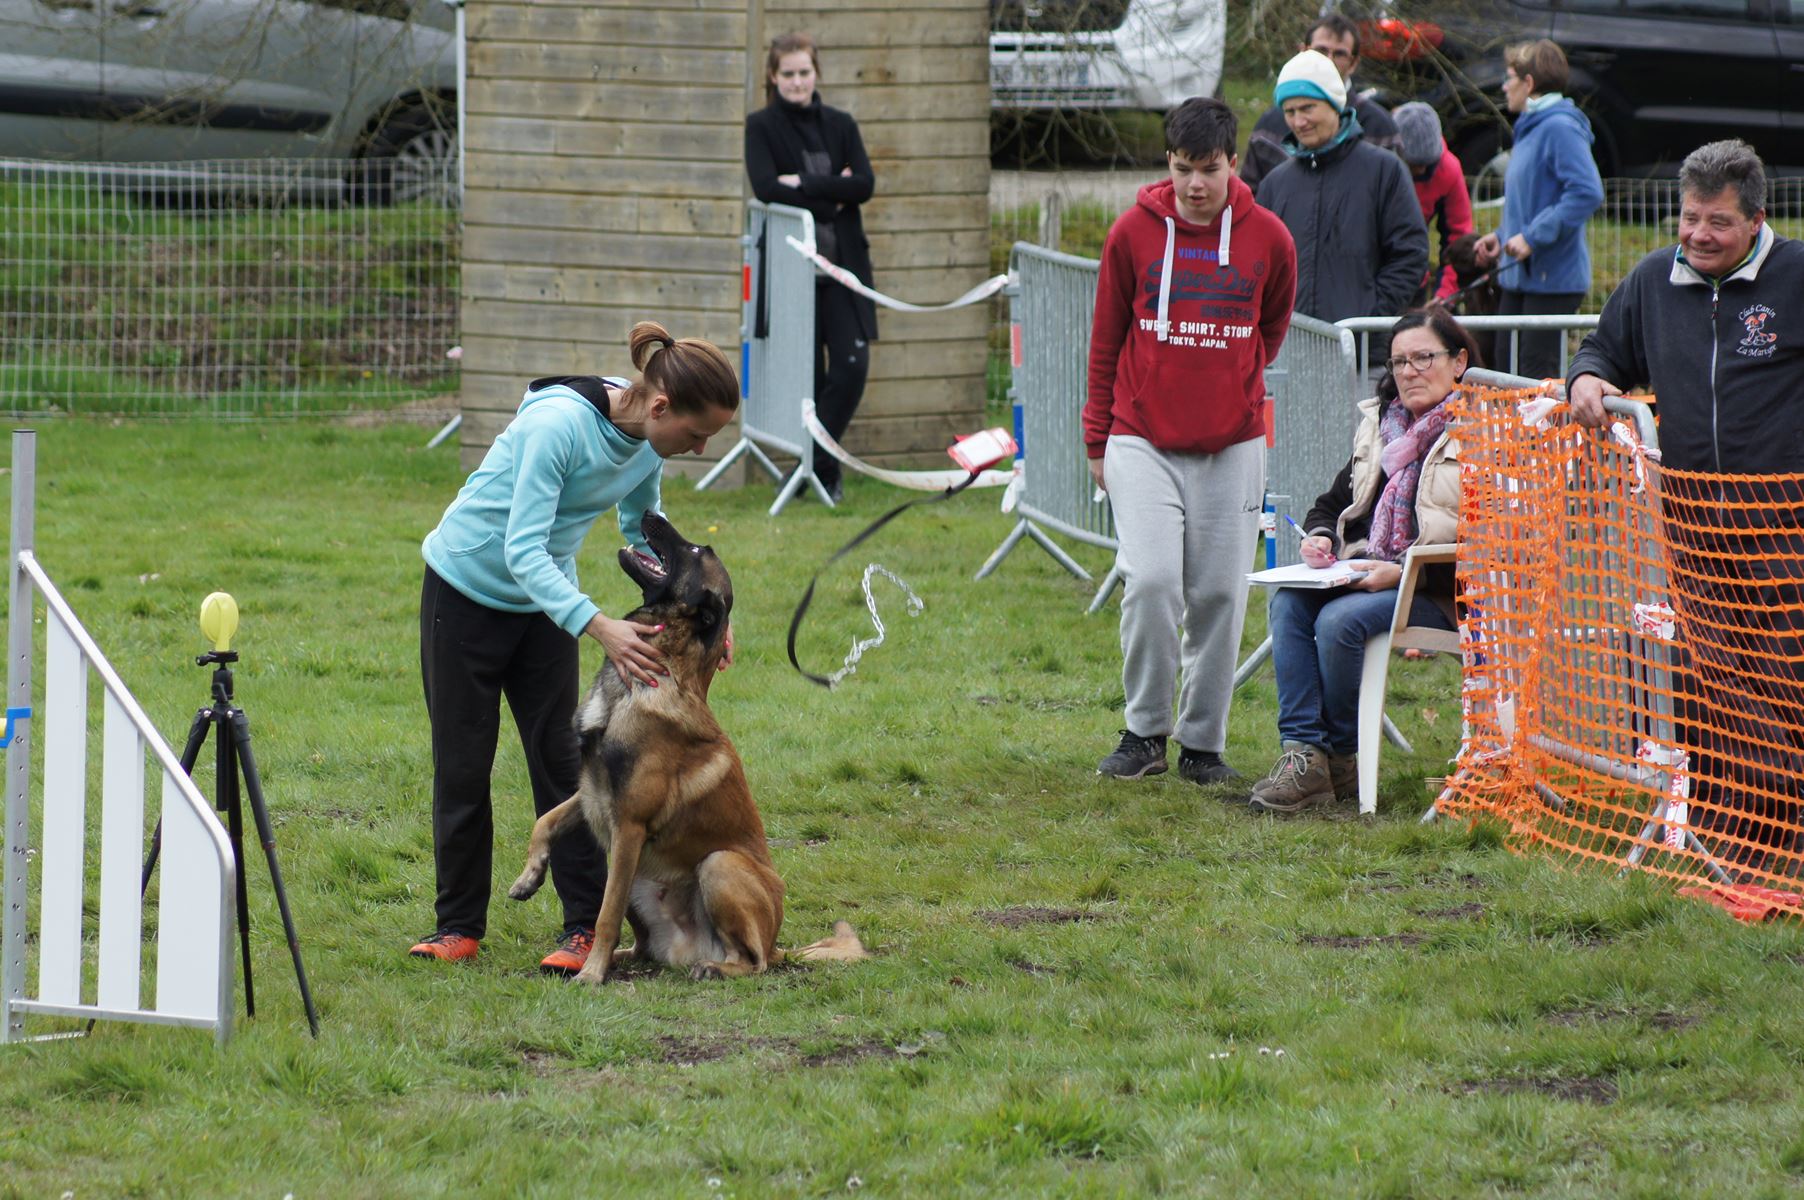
194,900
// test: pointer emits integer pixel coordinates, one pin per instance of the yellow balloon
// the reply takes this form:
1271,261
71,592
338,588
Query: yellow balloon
219,620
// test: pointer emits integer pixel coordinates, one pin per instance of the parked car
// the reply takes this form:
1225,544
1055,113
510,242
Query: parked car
1658,78
171,81
1149,54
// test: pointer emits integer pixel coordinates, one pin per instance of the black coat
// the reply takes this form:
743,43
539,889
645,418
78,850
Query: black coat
1731,390
1362,248
774,146
1265,145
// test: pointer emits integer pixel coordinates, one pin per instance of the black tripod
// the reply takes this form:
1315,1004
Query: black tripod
233,747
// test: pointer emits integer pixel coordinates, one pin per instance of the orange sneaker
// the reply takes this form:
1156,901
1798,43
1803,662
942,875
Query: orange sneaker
451,947
571,953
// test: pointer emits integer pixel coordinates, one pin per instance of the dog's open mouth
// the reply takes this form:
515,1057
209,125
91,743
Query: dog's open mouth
649,563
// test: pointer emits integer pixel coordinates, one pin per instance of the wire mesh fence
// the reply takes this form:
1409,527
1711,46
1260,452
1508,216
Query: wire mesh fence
245,289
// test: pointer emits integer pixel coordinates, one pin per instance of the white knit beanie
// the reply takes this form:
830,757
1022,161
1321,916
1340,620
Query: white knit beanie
1311,74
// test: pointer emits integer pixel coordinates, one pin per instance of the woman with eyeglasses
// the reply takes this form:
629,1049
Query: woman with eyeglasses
1550,190
1401,486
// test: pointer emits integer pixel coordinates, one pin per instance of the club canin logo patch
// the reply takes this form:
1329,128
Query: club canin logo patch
1757,340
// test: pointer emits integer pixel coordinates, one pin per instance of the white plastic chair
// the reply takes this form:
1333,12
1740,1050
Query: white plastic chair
1401,636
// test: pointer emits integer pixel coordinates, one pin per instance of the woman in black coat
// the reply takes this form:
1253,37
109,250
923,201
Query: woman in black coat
801,153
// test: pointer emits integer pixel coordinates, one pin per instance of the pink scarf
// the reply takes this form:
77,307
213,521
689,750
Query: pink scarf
1406,440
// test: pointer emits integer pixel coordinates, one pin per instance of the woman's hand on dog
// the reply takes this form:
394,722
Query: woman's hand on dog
629,648
726,656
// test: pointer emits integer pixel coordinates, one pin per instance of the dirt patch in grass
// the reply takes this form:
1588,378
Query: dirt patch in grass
1032,914
1470,911
1669,1022
1666,1021
692,1051
851,1052
1582,1090
1453,879
1031,968
1389,881
1348,941
696,1050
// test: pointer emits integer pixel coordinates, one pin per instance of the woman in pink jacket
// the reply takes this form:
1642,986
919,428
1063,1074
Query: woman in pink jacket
1440,188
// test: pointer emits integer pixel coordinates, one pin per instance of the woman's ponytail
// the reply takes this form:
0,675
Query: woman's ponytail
646,339
693,373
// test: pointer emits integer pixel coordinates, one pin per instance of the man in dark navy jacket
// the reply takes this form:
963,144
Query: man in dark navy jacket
1716,327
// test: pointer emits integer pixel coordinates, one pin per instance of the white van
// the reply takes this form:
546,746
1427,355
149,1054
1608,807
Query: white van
1151,54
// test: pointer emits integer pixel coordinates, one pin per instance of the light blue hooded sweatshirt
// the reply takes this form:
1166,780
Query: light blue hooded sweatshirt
510,539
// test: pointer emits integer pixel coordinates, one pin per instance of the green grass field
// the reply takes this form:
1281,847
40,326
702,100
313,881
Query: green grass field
1081,988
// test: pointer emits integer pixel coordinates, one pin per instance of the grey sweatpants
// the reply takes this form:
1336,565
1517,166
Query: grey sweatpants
1186,523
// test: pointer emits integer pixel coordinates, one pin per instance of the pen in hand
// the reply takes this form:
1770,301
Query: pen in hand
1328,554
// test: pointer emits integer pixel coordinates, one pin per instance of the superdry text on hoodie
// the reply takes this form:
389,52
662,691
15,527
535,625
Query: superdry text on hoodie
1187,319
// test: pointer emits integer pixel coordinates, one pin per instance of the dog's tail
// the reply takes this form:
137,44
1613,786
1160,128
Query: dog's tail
843,946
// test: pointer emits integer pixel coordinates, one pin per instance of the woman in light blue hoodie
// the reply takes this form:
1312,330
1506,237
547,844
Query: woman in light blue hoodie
1550,191
501,612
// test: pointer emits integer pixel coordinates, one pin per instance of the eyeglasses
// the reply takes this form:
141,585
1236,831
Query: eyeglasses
1421,360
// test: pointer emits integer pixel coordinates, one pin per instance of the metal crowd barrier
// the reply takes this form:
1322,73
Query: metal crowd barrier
777,353
1316,395
1515,326
1051,302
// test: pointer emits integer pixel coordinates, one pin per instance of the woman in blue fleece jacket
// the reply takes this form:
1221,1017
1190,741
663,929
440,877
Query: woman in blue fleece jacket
500,610
1550,191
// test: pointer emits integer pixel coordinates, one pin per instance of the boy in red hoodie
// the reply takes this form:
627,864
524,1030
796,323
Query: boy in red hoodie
1192,303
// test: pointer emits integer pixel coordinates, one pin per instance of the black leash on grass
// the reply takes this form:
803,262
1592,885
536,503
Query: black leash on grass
795,622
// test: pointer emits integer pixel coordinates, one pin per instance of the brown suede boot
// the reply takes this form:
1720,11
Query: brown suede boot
1343,769
1298,780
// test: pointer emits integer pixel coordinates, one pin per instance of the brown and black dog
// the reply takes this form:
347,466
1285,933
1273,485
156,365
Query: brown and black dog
665,793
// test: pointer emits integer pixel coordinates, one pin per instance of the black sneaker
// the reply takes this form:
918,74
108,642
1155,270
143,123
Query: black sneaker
1135,757
1204,767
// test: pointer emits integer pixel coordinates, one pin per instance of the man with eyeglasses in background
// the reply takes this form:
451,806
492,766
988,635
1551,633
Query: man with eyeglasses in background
1337,39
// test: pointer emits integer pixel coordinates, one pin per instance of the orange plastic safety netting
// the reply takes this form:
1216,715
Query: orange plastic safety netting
1633,642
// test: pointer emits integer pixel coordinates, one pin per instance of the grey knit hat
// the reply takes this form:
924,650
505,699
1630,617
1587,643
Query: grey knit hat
1418,133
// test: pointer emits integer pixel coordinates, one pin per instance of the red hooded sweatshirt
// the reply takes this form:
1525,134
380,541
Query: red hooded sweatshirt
1187,319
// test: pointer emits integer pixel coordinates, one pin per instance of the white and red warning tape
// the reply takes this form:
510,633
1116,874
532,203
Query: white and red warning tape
920,481
845,278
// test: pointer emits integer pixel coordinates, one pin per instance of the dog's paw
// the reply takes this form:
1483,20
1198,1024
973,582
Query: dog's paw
706,970
593,975
526,885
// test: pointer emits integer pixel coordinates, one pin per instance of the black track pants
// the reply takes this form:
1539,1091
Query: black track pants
842,360
470,657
